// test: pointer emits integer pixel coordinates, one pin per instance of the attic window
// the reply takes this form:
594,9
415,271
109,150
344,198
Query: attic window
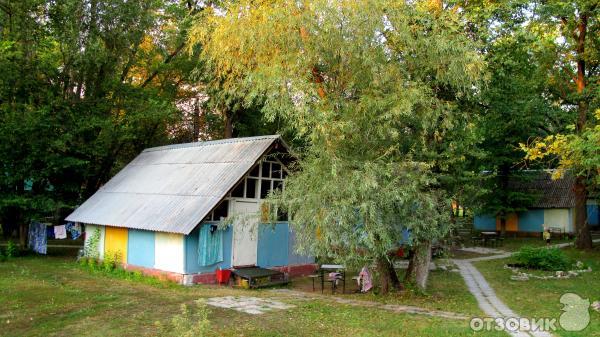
255,172
251,188
218,213
238,191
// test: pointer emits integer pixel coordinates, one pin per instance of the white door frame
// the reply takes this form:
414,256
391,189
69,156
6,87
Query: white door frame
244,244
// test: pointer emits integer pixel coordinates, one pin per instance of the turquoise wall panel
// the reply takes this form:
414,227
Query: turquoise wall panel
593,215
485,223
273,245
191,252
140,248
531,220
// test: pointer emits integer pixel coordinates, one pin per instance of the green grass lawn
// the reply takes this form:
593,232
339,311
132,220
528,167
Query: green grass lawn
446,291
52,296
540,298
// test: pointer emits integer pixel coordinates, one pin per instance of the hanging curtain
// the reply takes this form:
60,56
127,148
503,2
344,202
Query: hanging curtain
210,245
38,237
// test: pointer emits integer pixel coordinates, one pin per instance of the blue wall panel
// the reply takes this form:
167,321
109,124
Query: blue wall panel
485,222
293,257
140,248
191,252
273,245
531,220
593,215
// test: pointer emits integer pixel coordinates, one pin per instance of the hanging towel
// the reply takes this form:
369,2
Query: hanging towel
364,279
50,231
73,229
38,240
60,232
76,231
210,245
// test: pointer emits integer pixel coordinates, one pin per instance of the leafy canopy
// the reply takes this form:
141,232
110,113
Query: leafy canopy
373,95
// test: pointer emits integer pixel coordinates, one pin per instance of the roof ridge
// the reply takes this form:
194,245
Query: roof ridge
211,142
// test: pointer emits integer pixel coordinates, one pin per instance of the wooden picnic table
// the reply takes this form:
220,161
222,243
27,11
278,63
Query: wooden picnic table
488,236
333,268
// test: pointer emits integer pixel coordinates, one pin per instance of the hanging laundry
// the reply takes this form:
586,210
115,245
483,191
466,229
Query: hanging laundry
50,232
365,282
210,245
60,232
76,231
38,237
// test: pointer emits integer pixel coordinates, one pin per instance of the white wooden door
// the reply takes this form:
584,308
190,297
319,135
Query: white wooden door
245,233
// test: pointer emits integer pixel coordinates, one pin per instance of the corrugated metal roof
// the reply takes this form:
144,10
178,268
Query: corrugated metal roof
172,188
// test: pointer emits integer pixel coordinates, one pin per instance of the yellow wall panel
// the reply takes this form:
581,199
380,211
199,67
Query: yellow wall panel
512,223
115,240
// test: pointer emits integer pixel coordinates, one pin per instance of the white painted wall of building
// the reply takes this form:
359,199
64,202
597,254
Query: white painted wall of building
558,217
89,232
169,253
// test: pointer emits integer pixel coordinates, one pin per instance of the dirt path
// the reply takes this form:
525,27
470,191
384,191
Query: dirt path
405,309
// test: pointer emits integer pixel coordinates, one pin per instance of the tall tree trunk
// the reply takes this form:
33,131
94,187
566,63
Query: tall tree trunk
388,278
409,277
228,132
23,231
395,282
503,224
384,275
584,239
196,121
422,260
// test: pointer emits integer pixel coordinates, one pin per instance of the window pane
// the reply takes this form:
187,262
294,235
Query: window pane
265,187
266,169
251,188
221,210
238,191
275,171
281,215
277,185
255,171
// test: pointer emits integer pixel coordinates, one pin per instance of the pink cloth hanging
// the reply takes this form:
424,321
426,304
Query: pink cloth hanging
364,280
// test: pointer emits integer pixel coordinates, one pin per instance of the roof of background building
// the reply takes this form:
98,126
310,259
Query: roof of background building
172,188
549,193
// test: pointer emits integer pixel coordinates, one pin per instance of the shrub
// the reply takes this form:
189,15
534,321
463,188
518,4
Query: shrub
187,323
542,258
12,250
2,256
109,263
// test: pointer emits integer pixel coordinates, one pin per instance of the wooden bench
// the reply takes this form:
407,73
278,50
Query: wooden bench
556,230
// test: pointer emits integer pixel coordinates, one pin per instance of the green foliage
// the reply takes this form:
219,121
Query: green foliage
187,323
111,260
92,245
374,97
12,250
85,87
2,256
542,258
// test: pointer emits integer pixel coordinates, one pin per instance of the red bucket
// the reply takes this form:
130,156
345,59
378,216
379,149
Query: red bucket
223,276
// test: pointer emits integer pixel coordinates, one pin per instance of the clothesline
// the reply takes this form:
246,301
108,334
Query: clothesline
39,233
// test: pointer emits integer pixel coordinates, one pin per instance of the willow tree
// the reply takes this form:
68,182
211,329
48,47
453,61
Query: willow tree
372,93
